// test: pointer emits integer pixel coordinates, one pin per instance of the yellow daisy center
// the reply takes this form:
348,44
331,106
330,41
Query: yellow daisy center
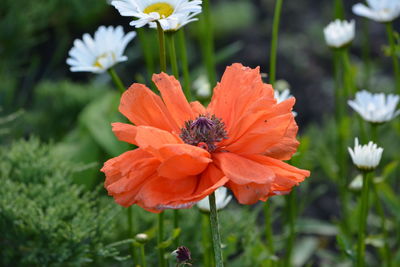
102,56
164,9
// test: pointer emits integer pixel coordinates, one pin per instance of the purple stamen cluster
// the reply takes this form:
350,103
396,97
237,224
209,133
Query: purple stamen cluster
204,132
182,255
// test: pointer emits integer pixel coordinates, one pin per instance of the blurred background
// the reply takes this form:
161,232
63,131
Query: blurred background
65,118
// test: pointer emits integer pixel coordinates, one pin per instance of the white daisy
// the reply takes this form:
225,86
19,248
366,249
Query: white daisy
222,198
366,157
171,14
281,96
375,108
339,33
100,53
378,10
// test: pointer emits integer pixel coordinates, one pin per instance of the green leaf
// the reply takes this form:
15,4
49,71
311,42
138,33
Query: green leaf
97,118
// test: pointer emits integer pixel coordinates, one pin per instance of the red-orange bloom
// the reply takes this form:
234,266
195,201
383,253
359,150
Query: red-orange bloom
187,151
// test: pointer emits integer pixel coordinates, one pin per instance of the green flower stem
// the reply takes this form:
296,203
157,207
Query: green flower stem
363,219
176,226
131,231
396,68
379,207
268,230
142,255
147,51
291,212
160,238
205,239
172,53
185,64
161,42
216,238
339,9
117,81
274,41
208,39
366,54
341,155
349,83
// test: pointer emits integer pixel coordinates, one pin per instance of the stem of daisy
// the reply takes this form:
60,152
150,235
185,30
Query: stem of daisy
172,53
348,77
366,53
185,64
268,230
379,207
291,211
146,48
363,219
160,238
219,262
117,81
339,10
161,42
274,42
396,67
142,255
209,43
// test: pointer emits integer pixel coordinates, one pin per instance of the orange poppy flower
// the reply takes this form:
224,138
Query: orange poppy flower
187,151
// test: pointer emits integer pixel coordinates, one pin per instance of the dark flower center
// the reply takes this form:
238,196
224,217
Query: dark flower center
204,132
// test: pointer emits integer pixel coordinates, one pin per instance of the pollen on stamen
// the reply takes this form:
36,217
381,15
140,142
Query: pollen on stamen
205,131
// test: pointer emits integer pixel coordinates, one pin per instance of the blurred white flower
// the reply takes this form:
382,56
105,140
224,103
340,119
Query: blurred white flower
366,157
222,198
281,96
378,10
339,33
375,108
100,53
171,14
202,86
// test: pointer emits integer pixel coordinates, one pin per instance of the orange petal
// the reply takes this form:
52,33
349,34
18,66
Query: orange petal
182,160
127,173
249,194
198,108
240,87
142,107
163,193
274,136
152,139
287,175
124,132
242,170
174,98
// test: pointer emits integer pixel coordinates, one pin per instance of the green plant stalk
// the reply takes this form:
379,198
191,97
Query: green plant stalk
176,226
366,53
216,238
339,9
205,239
349,83
363,219
340,107
268,230
379,207
209,43
185,64
396,67
131,232
160,238
172,53
142,255
161,42
291,211
148,55
274,41
117,81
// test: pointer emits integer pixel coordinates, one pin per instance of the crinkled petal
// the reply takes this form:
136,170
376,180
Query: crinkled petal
124,132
